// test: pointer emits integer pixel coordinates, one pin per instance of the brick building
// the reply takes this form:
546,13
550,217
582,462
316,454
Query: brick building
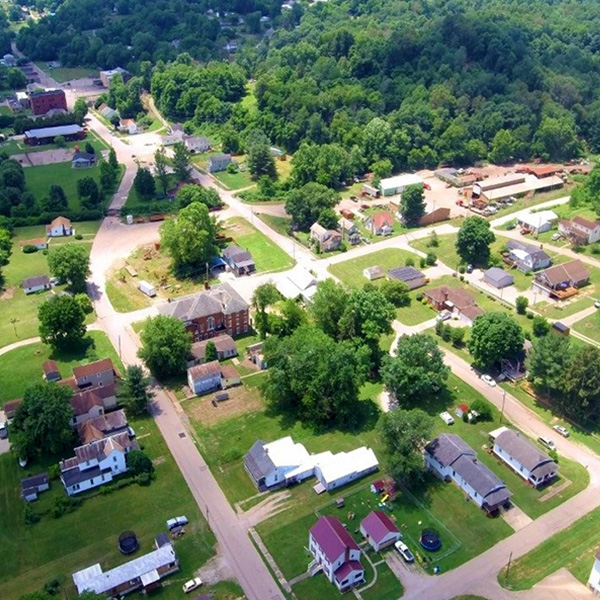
42,102
212,312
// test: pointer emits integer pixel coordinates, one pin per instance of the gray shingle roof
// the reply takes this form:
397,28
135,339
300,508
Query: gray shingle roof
30,282
257,461
496,274
526,453
446,448
536,253
405,274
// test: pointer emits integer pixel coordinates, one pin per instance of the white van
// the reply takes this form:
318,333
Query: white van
3,430
544,441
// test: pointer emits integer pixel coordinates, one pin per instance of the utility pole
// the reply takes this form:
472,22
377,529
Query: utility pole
120,348
508,567
502,411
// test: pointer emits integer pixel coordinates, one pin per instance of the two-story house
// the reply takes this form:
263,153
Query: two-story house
580,231
60,227
527,257
381,223
350,232
336,552
96,463
328,239
212,312
95,374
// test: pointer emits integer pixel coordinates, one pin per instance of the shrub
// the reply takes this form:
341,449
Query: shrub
409,262
529,315
461,269
465,417
30,516
553,455
419,297
78,236
52,587
483,408
595,249
439,327
431,259
143,479
139,463
540,326
422,263
63,505
462,277
457,335
45,252
521,304
434,242
53,472
446,333
29,249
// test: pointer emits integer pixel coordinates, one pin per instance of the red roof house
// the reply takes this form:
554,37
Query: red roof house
379,530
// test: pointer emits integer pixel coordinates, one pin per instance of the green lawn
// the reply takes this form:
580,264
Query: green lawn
590,326
63,74
12,146
55,548
387,587
18,312
267,255
573,548
124,295
351,271
234,181
315,588
279,224
445,250
39,179
27,362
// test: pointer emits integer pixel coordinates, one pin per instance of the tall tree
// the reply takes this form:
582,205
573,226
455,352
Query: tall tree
56,200
396,292
328,306
196,193
62,322
581,384
42,422
547,363
306,204
494,336
210,352
412,205
264,296
404,434
88,192
70,263
161,170
259,159
80,109
144,184
190,238
473,241
134,392
416,372
166,346
181,162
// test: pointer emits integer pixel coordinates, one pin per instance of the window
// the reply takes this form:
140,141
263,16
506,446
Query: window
114,459
92,481
210,323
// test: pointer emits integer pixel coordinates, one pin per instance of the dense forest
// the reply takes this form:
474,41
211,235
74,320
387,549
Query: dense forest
378,84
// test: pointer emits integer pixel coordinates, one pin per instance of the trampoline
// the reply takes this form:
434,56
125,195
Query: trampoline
128,542
430,540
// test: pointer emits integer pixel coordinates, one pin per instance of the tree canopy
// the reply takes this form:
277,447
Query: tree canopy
70,263
62,322
473,241
494,336
412,204
307,203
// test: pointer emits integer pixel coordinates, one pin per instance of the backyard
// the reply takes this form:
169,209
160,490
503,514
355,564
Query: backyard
590,326
64,74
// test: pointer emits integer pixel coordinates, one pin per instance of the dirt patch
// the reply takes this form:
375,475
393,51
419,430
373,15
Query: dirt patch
215,570
159,460
239,228
8,293
44,157
241,400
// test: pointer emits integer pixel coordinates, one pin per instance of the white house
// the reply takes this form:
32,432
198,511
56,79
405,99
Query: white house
538,222
580,231
204,378
31,285
96,464
128,126
453,459
298,283
61,226
335,470
527,257
379,530
525,458
336,552
39,243
197,144
594,578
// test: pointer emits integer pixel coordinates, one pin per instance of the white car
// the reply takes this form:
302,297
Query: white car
597,304
548,443
447,418
444,316
562,430
404,552
488,379
192,584
177,522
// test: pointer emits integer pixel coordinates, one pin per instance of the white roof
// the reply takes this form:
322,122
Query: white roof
298,282
285,452
494,434
531,184
520,254
44,132
340,465
400,181
302,278
95,580
536,220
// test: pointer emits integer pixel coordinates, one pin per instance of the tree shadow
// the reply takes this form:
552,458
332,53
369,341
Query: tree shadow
85,347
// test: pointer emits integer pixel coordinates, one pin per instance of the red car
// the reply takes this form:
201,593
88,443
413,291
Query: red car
426,186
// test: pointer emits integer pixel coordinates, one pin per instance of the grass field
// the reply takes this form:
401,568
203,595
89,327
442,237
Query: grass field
279,224
55,548
590,326
27,362
573,548
387,587
12,146
63,74
267,255
18,312
234,181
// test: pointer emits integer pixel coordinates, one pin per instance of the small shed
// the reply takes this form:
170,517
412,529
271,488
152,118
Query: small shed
560,328
461,409
372,273
498,278
412,277
51,372
379,530
32,486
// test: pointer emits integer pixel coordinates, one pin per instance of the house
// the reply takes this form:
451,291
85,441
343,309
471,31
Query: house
40,283
175,136
95,374
46,135
527,257
412,277
91,403
381,223
103,426
455,300
110,114
298,283
218,162
524,457
51,372
372,273
197,144
212,312
82,160
561,281
43,102
328,239
59,227
336,552
580,231
284,462
144,572
594,578
498,278
453,459
128,126
255,354
204,378
229,377
96,463
240,261
32,486
224,344
538,222
10,408
39,243
349,231
395,185
108,75
469,313
379,530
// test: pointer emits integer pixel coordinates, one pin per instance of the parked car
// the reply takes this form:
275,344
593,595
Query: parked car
562,430
444,316
470,268
177,522
556,237
489,380
597,304
192,584
3,430
404,552
548,443
447,418
426,186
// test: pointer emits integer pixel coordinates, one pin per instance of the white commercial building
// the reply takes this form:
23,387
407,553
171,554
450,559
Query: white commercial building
396,184
538,222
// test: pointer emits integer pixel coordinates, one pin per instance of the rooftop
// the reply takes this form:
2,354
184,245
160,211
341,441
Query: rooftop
206,370
523,451
377,525
30,282
46,132
405,274
400,181
93,368
332,538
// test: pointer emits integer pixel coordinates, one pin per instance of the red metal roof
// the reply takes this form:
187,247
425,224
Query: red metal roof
377,525
332,538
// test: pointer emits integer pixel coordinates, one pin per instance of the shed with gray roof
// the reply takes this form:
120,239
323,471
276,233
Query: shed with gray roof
498,278
449,456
